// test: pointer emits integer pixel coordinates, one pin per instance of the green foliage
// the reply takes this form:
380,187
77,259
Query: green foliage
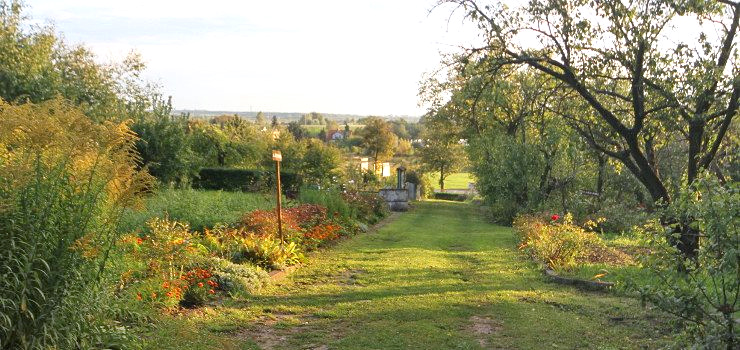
268,252
37,65
558,243
164,146
229,179
238,279
199,208
378,139
297,130
320,163
331,199
232,143
63,182
417,177
442,153
507,175
450,196
702,292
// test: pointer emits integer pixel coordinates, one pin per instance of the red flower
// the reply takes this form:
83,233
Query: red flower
555,217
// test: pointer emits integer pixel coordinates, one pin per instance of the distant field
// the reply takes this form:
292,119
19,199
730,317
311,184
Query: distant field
454,181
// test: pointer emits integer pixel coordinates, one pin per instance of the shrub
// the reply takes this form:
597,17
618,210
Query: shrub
63,182
164,146
244,180
264,223
169,248
267,252
422,182
450,196
223,241
558,242
369,206
704,292
238,278
165,265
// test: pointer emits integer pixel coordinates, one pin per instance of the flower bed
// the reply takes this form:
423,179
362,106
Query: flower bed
168,265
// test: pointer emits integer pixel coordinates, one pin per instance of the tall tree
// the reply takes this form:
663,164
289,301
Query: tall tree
442,154
639,83
378,139
37,65
260,119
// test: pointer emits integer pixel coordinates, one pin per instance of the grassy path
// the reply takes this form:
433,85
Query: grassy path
439,277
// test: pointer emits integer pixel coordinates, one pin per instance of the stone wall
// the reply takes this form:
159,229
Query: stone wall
397,199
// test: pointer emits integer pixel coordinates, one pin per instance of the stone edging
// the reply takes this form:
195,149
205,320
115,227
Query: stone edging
576,282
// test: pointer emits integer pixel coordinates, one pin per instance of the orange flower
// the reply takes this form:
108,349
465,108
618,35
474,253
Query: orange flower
139,241
165,285
138,296
154,295
200,284
212,291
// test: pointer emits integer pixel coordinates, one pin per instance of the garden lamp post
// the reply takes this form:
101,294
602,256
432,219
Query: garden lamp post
277,157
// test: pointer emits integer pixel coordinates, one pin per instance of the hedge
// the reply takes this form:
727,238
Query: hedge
450,196
247,180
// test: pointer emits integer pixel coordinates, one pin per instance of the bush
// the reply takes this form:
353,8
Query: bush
63,182
557,242
422,182
450,196
244,180
702,292
369,206
267,252
237,279
164,146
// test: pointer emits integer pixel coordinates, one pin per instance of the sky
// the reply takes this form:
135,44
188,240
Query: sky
364,57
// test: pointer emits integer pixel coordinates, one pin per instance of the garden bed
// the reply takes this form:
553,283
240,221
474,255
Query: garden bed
576,256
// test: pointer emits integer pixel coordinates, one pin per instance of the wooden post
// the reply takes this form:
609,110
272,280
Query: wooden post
277,157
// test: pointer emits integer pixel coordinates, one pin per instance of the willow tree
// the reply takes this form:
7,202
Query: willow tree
646,72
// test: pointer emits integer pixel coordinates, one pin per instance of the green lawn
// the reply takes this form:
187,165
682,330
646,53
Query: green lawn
454,181
199,208
438,277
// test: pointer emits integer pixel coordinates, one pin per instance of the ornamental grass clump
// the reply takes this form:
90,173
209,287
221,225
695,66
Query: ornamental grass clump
64,181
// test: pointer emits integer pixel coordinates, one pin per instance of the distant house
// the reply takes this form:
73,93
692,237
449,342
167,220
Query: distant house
334,135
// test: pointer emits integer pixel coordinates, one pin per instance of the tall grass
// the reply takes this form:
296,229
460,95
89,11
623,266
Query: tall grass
200,208
330,199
